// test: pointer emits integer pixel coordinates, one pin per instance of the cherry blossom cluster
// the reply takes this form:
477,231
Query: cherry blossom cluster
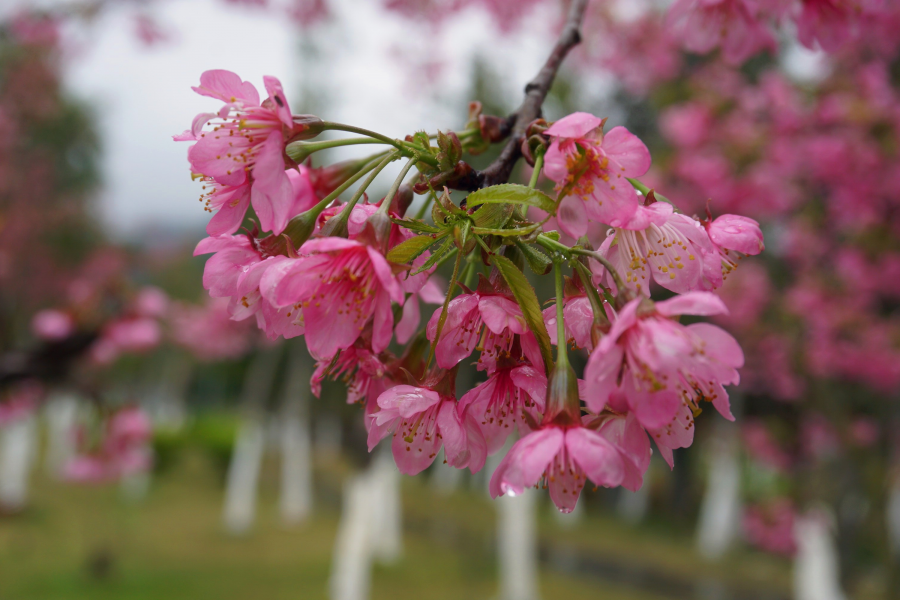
349,276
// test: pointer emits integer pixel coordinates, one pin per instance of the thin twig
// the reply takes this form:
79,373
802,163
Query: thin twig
536,91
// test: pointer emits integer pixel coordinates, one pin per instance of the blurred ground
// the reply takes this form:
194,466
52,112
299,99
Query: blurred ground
88,542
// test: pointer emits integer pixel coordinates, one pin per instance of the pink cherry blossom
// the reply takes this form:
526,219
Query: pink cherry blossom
703,25
52,324
659,244
628,437
733,237
578,317
341,284
771,527
421,421
124,450
209,332
828,23
467,315
589,168
660,367
564,458
244,151
20,400
499,404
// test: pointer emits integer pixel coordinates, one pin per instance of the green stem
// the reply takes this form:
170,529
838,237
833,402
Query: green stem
406,148
562,356
600,320
339,226
607,265
383,209
299,151
646,191
536,173
443,318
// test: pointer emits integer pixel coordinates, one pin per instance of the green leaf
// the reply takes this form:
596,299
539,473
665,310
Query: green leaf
539,262
492,216
510,193
504,232
416,225
408,250
447,246
528,302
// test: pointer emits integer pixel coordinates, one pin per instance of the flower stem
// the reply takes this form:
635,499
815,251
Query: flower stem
536,173
337,226
385,205
407,148
646,191
443,318
562,357
607,265
300,151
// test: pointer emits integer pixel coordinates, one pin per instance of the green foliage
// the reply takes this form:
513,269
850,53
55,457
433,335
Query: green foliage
511,193
527,300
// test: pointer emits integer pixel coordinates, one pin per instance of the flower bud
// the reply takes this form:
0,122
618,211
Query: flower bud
563,405
305,127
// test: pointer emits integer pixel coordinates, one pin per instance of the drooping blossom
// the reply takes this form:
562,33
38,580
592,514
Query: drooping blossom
659,244
732,237
245,148
564,458
578,317
625,433
422,420
658,369
341,284
124,449
501,403
485,318
589,168
52,324
732,25
770,527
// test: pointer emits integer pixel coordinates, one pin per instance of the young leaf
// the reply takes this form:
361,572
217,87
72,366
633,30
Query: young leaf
408,250
492,216
527,300
510,193
415,225
539,262
447,246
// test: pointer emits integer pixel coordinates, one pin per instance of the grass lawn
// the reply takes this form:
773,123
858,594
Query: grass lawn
80,542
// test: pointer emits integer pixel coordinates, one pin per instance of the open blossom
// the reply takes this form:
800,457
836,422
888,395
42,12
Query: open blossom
421,421
656,243
124,450
244,151
589,168
564,458
732,237
230,202
828,22
732,25
52,324
487,320
626,434
500,404
659,369
340,284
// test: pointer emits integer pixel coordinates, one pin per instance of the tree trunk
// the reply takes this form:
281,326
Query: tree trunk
246,459
296,448
17,449
517,547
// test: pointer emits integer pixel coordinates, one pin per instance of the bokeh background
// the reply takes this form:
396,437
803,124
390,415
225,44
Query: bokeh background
244,484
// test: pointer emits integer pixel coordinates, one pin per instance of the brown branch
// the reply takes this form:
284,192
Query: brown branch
536,91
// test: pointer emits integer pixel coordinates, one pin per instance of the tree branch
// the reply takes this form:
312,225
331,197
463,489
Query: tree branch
536,91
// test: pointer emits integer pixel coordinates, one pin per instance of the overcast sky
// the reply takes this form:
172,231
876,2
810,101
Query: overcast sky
369,69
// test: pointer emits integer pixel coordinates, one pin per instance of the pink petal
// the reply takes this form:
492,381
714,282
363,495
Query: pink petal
227,86
409,322
385,275
571,217
276,94
526,461
626,149
382,322
408,400
692,303
593,453
576,125
602,376
272,192
500,313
